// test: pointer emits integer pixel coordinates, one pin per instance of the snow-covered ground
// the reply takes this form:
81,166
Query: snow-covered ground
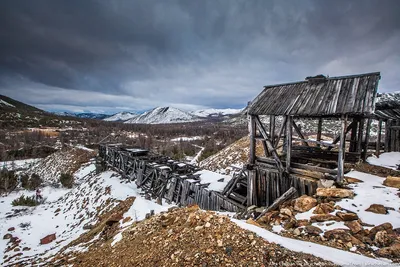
4,103
195,159
65,211
187,138
340,257
19,164
370,191
389,160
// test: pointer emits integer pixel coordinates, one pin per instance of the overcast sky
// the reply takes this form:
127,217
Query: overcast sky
108,56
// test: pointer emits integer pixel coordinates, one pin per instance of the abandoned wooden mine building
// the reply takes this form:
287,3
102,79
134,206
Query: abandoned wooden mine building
292,161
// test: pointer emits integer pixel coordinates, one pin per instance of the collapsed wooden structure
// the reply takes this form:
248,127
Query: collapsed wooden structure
388,112
163,178
290,159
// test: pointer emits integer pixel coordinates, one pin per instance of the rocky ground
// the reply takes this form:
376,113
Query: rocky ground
323,219
188,237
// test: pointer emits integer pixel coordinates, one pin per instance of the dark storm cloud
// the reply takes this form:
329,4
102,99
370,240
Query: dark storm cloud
111,55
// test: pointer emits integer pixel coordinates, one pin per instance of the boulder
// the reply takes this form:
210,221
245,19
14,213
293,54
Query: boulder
48,239
352,180
324,208
340,234
290,224
383,239
347,216
7,236
354,226
388,227
324,218
312,230
286,211
335,192
304,203
377,208
392,181
303,222
325,183
11,229
388,252
297,232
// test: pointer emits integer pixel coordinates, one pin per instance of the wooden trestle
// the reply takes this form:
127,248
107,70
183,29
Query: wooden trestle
164,178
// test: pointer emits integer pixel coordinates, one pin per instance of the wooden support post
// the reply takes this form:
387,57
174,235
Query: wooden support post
272,128
367,134
289,123
252,130
378,140
251,188
387,134
340,174
360,135
319,131
353,136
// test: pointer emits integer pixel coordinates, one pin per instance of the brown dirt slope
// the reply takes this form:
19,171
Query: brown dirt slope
191,237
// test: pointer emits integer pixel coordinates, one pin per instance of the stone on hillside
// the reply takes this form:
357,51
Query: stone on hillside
388,252
303,222
340,234
352,180
324,208
47,239
297,232
392,181
377,208
312,230
388,227
304,203
7,236
335,192
347,216
383,239
286,211
11,229
290,224
325,183
354,226
324,218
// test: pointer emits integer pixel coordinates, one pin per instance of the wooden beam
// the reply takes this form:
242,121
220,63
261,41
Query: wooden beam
272,128
297,129
316,142
337,139
319,131
289,123
378,140
287,195
360,135
251,188
252,130
367,135
268,142
353,136
340,174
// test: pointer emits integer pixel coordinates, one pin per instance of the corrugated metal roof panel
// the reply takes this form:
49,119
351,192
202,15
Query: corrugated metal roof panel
352,95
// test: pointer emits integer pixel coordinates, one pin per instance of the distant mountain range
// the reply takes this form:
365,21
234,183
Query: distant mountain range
161,115
83,115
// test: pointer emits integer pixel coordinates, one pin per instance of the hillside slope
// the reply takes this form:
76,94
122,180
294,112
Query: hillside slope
162,115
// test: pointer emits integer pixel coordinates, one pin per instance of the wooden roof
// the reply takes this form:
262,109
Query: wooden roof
319,96
388,110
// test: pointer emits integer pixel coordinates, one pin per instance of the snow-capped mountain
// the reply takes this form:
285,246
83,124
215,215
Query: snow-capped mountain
84,115
212,112
384,97
161,115
121,116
